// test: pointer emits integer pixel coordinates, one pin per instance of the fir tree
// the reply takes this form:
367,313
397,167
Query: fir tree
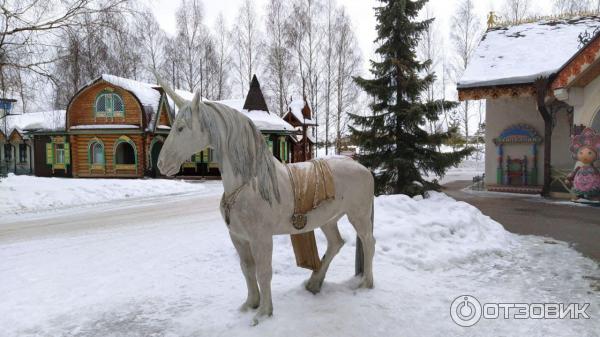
393,138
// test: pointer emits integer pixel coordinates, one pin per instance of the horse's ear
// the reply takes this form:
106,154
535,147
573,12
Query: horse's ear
197,99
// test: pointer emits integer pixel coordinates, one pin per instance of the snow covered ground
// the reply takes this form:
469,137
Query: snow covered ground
21,194
165,267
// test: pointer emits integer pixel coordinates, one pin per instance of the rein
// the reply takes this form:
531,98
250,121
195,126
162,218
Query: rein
228,200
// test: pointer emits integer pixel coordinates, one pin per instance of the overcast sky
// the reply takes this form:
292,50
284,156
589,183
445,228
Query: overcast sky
361,12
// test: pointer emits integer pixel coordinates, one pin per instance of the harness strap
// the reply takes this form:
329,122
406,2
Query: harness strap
298,219
228,200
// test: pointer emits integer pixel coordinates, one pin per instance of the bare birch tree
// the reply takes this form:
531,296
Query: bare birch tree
562,7
28,30
330,35
466,33
347,61
278,65
125,56
152,40
223,59
90,49
429,49
190,41
306,38
247,41
516,10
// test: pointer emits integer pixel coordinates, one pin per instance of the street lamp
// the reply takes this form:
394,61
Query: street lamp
6,105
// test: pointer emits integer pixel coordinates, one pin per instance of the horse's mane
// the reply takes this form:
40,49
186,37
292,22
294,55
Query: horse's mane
245,146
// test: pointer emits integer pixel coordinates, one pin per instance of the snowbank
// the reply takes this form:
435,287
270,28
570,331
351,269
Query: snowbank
176,273
21,194
435,233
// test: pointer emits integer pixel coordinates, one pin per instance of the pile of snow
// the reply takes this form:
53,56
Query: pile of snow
175,272
21,193
520,54
441,234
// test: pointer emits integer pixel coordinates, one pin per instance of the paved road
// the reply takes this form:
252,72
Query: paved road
529,215
140,212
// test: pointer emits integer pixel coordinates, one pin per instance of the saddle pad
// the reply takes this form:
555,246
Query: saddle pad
312,184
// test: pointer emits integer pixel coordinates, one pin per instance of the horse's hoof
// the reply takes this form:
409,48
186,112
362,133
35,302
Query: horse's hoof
260,316
366,283
248,305
314,286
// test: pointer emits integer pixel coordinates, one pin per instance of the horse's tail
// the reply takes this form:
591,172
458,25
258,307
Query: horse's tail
359,263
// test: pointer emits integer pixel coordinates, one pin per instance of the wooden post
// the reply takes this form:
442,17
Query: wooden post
305,245
305,250
499,173
541,86
359,258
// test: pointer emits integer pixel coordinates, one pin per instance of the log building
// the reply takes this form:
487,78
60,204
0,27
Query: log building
115,127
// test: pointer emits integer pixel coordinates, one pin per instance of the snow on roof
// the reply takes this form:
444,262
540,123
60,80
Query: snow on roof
264,121
296,107
104,126
236,104
145,92
186,95
53,120
519,54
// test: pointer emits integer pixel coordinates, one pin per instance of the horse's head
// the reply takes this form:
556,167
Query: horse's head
186,137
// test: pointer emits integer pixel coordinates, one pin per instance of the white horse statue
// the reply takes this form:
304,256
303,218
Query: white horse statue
258,201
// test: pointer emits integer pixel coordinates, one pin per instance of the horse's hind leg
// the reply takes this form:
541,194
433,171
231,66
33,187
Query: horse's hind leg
249,271
334,244
363,225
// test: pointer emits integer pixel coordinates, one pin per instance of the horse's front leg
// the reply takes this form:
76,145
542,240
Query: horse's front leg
262,251
249,270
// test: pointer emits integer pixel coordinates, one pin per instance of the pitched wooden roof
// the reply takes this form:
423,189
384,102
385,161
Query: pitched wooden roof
255,101
299,114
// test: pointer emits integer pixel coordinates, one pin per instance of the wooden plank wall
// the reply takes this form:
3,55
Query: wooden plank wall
81,110
42,169
15,137
79,156
163,118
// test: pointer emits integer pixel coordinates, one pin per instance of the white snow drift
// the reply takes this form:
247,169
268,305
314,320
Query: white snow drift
22,193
